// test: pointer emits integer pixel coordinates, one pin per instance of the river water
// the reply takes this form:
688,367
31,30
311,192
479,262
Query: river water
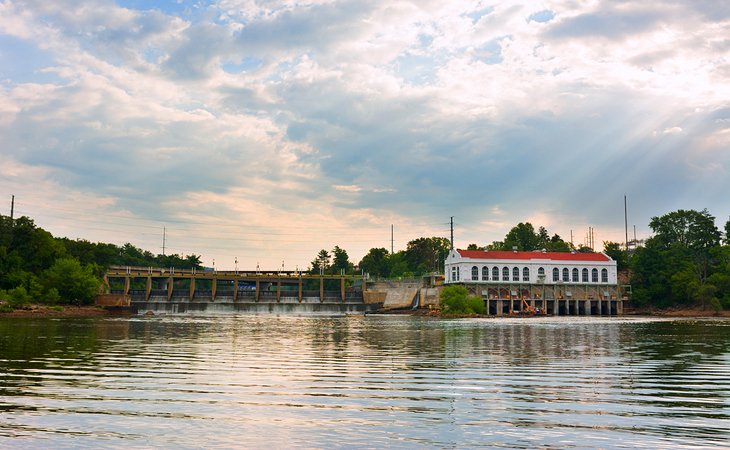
375,381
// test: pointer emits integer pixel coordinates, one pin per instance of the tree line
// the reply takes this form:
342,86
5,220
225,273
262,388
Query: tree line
37,267
686,262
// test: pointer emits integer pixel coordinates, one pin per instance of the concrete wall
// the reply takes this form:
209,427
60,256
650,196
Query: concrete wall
430,297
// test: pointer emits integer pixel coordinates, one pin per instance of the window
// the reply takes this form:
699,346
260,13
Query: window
594,275
525,274
566,274
495,273
584,276
505,274
604,276
485,273
515,274
453,274
556,274
575,275
475,273
541,271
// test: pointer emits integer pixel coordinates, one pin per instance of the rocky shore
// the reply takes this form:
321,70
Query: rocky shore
60,311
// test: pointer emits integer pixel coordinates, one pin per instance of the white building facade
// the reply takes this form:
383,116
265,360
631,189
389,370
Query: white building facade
544,268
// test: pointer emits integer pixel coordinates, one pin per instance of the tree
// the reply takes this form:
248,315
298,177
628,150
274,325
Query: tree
691,229
375,262
727,232
614,251
523,237
341,261
426,254
321,262
74,282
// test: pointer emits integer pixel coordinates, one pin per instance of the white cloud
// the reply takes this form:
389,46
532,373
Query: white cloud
355,115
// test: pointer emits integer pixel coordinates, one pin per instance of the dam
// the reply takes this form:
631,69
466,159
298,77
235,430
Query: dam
184,291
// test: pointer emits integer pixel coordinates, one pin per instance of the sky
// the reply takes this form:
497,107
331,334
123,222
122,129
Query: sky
259,132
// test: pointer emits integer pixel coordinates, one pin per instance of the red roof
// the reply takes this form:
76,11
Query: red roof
554,256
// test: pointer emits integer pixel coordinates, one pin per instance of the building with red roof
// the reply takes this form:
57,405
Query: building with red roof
536,267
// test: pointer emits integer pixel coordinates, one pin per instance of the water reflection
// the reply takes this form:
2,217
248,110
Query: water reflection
258,381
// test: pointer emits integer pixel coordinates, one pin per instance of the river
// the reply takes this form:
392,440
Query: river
353,382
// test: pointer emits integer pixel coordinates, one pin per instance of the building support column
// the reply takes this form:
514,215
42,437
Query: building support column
556,307
500,307
300,288
487,303
278,291
170,283
600,306
321,289
127,284
588,307
213,287
192,288
577,308
148,292
258,291
619,307
235,290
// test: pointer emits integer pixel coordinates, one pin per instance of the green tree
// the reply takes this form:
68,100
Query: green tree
425,255
320,263
375,262
614,251
523,237
341,261
75,283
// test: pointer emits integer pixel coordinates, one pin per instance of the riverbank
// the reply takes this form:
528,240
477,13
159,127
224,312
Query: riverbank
60,311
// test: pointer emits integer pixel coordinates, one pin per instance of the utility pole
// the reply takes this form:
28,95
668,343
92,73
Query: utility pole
452,233
164,238
626,224
391,239
12,207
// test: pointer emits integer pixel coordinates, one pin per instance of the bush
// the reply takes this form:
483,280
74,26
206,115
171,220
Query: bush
18,296
51,297
475,304
456,300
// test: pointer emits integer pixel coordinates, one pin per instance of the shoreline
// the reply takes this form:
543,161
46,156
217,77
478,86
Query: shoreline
72,311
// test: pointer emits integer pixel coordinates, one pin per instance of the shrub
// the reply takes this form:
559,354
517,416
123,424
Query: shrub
18,297
475,305
456,300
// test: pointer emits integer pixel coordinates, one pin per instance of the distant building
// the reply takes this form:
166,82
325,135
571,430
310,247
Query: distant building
505,267
557,283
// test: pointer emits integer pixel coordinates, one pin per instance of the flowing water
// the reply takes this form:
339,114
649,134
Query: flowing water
375,381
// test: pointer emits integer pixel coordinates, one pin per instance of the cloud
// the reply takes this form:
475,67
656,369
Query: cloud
357,115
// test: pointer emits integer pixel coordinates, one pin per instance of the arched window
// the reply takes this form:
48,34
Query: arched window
556,274
453,274
525,274
584,275
566,274
505,274
475,273
515,274
485,273
541,271
495,273
604,276
575,275
594,275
